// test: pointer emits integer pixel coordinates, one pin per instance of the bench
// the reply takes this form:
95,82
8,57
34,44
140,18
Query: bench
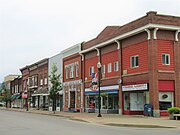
176,116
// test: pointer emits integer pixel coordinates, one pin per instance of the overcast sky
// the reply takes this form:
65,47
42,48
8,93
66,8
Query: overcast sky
31,30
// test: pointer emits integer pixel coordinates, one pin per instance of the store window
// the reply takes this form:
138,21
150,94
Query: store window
165,100
113,101
126,101
166,59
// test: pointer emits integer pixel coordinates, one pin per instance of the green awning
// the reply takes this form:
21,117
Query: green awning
15,96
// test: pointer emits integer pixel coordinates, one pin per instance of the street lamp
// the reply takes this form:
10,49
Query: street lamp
99,92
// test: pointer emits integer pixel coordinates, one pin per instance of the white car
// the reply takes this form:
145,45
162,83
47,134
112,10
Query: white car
2,104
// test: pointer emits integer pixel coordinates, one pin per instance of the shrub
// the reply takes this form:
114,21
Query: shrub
174,110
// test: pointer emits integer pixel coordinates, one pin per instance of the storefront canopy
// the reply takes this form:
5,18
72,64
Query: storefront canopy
102,92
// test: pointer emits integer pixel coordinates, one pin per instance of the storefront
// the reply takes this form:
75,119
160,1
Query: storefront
72,96
134,98
166,96
109,99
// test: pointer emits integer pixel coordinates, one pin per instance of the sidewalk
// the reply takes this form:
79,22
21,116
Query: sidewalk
111,119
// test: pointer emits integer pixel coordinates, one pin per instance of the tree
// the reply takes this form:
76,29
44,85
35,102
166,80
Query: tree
5,94
56,85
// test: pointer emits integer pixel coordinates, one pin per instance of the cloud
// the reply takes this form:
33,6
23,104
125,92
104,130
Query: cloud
31,30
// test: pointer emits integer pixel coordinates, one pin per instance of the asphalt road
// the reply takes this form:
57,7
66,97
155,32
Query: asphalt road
19,123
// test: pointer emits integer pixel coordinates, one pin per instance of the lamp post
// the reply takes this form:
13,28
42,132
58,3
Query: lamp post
99,92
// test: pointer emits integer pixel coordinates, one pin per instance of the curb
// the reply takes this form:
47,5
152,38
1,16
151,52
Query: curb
79,119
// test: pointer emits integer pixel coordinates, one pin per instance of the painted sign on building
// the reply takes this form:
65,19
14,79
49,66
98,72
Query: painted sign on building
135,87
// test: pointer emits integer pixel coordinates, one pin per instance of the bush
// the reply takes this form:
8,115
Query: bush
174,110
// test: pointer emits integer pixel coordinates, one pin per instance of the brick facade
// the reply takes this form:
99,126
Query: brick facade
153,39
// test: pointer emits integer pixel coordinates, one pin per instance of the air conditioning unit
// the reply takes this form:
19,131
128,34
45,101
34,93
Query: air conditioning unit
125,72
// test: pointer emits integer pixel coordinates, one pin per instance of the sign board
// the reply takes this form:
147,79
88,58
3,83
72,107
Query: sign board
135,87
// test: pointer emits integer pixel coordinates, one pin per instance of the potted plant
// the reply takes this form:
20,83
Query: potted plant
173,110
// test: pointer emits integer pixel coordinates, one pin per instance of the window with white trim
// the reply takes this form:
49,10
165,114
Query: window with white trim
41,80
45,79
134,61
71,71
91,70
103,69
109,67
116,65
77,70
166,59
66,68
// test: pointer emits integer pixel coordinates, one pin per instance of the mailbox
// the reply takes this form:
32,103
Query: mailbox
148,110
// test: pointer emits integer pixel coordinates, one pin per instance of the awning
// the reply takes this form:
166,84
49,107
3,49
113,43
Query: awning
102,92
15,96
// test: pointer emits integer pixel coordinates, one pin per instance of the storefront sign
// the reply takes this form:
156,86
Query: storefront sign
135,87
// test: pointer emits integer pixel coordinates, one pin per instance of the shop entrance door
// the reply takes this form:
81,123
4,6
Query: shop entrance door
72,99
137,101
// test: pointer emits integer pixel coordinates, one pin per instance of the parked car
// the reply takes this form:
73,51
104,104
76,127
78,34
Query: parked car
2,104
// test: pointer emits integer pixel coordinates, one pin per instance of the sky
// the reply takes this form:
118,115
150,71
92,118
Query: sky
31,30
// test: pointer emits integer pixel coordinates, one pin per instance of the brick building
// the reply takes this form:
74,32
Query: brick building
72,82
16,92
140,65
35,84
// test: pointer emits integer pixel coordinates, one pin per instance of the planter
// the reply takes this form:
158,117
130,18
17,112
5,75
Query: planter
171,117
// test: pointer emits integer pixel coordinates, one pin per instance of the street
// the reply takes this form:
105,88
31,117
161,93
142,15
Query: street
20,123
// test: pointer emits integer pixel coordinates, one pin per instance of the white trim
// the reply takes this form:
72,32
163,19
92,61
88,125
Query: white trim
130,33
118,43
98,53
154,33
176,35
149,34
40,94
82,57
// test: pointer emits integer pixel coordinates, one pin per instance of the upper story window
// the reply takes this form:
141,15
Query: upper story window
45,79
166,59
103,69
66,68
134,61
116,66
91,70
77,70
71,71
41,80
16,88
109,67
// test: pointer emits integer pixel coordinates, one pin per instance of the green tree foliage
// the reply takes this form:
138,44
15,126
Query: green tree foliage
56,84
5,93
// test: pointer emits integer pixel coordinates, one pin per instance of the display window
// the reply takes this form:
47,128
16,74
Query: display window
165,100
134,101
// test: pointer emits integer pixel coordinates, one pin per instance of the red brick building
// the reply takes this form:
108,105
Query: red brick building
72,82
35,84
140,65
16,92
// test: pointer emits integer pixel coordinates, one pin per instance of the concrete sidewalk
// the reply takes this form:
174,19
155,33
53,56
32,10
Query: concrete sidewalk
111,119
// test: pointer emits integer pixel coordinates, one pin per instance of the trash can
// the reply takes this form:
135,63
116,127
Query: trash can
148,110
